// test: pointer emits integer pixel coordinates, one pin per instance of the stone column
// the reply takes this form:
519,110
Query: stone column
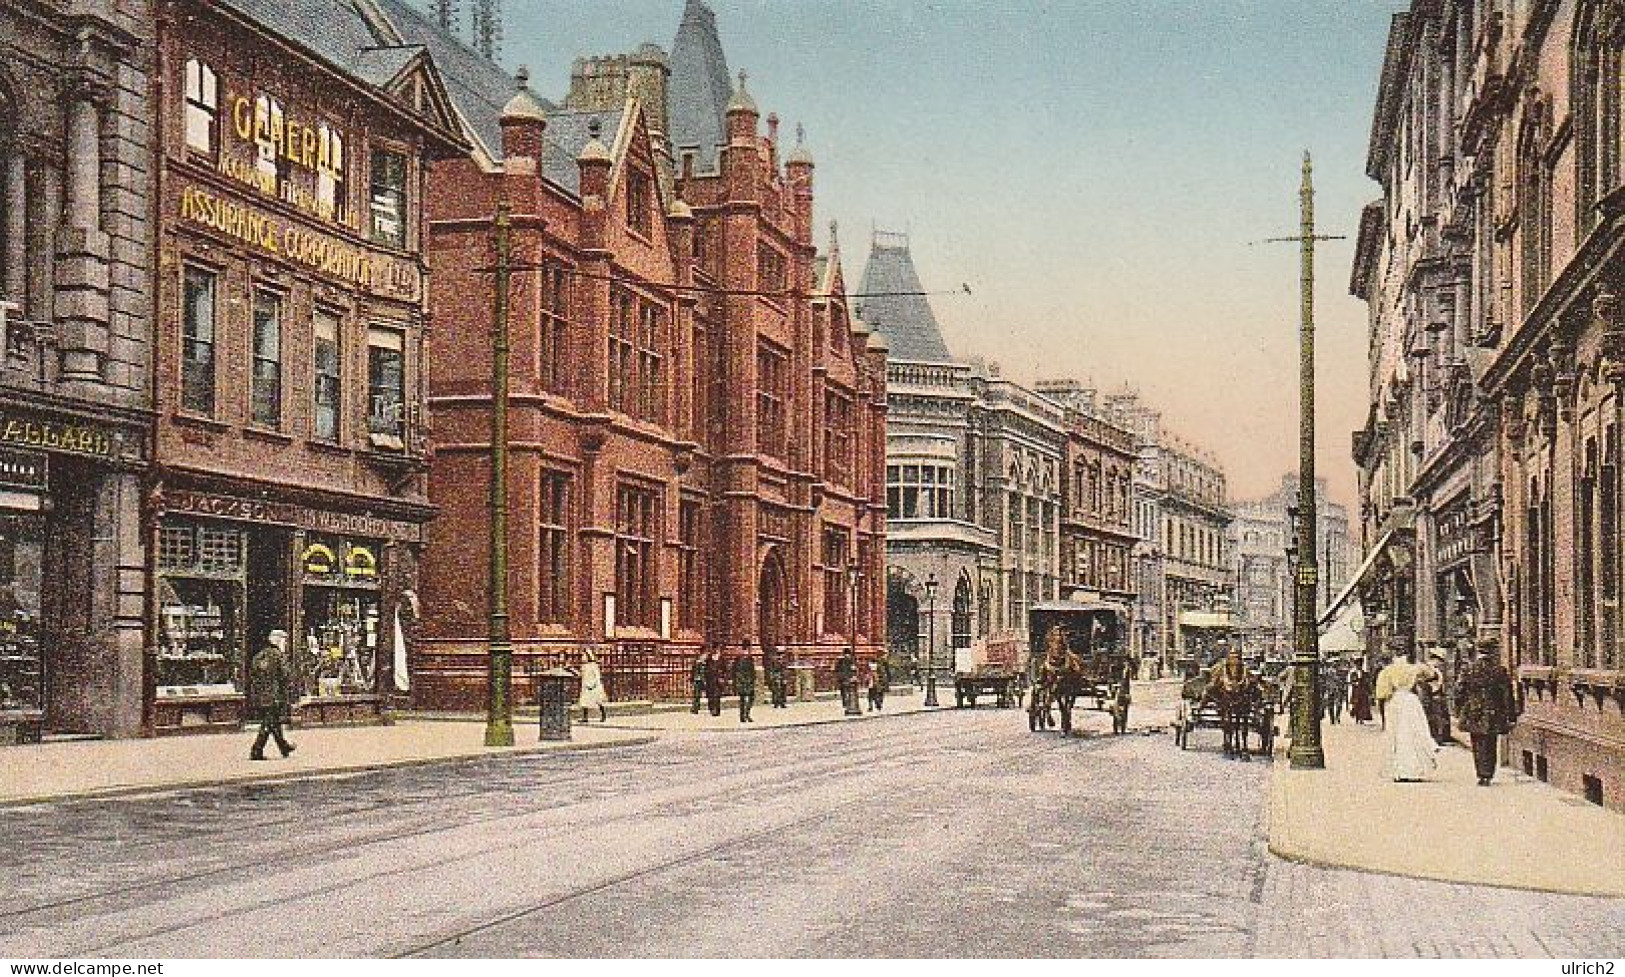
81,244
15,281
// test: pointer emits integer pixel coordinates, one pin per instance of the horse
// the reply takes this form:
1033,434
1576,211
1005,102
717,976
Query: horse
1236,703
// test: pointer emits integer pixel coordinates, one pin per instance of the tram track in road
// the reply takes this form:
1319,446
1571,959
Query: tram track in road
756,772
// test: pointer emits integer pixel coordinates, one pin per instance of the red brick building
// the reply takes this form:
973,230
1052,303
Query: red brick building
696,427
293,145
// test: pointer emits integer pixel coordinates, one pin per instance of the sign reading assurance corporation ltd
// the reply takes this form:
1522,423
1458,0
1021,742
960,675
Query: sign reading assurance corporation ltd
280,238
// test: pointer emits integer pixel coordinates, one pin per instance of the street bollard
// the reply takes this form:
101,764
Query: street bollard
553,703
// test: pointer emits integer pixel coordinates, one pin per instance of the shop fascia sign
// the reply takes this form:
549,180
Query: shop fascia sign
293,242
23,431
289,514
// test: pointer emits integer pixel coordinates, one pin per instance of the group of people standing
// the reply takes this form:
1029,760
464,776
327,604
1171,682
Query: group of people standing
710,674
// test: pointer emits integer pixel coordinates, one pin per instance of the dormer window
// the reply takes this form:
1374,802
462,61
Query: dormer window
639,202
202,107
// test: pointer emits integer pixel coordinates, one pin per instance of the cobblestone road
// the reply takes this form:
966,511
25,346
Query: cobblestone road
942,834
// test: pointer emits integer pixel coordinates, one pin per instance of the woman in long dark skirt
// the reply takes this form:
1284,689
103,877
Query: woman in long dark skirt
1360,695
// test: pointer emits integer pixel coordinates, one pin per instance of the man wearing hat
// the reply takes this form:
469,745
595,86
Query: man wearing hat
745,681
1485,707
270,693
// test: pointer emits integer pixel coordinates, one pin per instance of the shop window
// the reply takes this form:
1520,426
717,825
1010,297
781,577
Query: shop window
202,108
202,575
266,391
22,549
197,342
388,196
327,393
341,616
554,562
386,388
636,526
331,193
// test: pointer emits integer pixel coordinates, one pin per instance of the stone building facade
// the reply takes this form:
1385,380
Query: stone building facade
1181,516
75,365
292,148
1262,540
697,423
974,481
1492,265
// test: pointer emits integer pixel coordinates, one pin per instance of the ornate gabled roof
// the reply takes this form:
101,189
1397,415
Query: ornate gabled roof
699,89
891,301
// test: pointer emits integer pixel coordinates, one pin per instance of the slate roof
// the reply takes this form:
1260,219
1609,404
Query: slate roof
333,29
906,321
699,87
567,134
478,85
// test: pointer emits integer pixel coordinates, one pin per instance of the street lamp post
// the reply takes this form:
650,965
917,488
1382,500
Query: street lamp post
499,701
1306,749
931,639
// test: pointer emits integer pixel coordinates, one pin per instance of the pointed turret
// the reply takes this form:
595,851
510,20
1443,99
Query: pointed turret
891,301
700,87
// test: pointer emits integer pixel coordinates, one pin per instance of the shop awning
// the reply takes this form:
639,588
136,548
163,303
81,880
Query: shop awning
1400,526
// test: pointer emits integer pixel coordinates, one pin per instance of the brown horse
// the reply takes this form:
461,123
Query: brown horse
1235,693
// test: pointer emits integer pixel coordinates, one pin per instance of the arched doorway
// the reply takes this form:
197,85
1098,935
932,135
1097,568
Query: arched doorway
770,601
902,624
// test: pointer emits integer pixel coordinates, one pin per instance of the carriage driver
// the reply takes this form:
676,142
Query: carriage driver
1231,674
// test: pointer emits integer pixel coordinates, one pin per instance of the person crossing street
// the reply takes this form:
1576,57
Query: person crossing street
271,694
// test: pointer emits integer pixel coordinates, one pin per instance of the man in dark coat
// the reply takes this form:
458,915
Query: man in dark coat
778,678
1334,692
846,676
271,694
696,676
1485,708
713,682
745,681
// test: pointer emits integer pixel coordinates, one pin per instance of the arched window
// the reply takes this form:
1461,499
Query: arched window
1534,207
1596,64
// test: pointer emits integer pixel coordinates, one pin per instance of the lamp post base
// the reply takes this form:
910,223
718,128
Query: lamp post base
1310,757
931,693
499,733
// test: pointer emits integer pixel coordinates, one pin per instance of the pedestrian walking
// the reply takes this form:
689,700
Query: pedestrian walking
1334,691
593,695
745,681
1359,691
1123,697
1411,749
713,681
778,677
696,677
270,692
1486,708
846,677
879,683
1430,689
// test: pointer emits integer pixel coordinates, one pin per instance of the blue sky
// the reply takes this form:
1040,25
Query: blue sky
1094,171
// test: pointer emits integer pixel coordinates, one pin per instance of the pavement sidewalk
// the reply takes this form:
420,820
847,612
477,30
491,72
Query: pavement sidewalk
764,716
105,768
1518,833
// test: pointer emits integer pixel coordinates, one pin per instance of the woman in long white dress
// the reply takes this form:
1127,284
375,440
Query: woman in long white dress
593,694
1412,753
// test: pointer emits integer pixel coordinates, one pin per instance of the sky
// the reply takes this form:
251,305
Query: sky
1093,170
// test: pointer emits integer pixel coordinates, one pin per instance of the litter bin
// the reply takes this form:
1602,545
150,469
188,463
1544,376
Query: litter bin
553,688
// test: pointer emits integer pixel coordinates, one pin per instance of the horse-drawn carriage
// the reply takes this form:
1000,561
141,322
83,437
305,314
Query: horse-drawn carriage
1077,652
1239,704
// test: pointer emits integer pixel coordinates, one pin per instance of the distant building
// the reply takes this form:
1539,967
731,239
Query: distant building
1181,516
1262,542
973,480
